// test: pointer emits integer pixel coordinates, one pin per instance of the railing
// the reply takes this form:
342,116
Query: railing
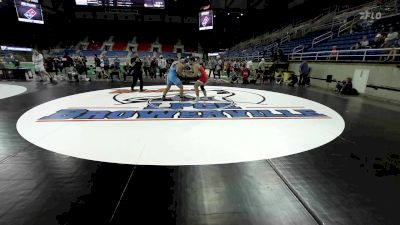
324,22
363,55
345,27
271,46
298,49
286,38
322,38
254,58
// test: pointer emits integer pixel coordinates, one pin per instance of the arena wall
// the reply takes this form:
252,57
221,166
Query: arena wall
381,75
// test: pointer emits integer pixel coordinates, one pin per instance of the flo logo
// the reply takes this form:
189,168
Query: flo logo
205,21
366,15
221,105
30,13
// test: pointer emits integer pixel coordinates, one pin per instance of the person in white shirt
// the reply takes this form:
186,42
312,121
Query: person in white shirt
219,67
162,65
249,66
262,65
38,62
364,42
391,38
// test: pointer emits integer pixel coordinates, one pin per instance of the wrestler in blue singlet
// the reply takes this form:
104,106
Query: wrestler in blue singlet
172,77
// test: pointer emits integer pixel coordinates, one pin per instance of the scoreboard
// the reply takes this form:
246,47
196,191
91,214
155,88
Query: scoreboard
123,3
29,11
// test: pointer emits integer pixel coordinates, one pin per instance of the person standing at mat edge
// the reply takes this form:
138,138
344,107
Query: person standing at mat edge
137,73
172,78
38,62
304,71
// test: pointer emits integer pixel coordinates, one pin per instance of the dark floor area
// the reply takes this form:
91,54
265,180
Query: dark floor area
352,180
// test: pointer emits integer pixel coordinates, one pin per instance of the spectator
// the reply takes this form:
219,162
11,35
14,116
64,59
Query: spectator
245,75
146,65
380,37
162,64
60,65
378,41
356,46
84,61
228,68
153,68
219,67
97,64
117,62
391,38
56,62
15,61
279,77
212,65
344,87
249,66
236,65
106,65
38,62
364,43
126,70
80,69
334,53
393,52
114,72
68,64
262,65
50,66
292,80
304,72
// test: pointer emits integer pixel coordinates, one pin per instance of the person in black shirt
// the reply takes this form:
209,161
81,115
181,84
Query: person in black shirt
137,72
97,64
81,69
126,70
153,68
114,72
68,64
84,61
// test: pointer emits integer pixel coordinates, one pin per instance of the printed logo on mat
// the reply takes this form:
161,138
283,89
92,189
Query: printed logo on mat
230,125
148,105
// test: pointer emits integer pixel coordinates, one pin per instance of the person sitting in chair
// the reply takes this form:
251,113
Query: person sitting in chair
345,87
292,80
278,77
245,75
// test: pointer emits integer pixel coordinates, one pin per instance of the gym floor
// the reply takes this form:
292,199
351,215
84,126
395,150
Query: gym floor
351,180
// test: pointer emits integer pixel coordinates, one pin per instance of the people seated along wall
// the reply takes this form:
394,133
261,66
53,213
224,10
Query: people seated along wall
292,80
125,70
114,72
278,77
236,74
346,87
245,75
